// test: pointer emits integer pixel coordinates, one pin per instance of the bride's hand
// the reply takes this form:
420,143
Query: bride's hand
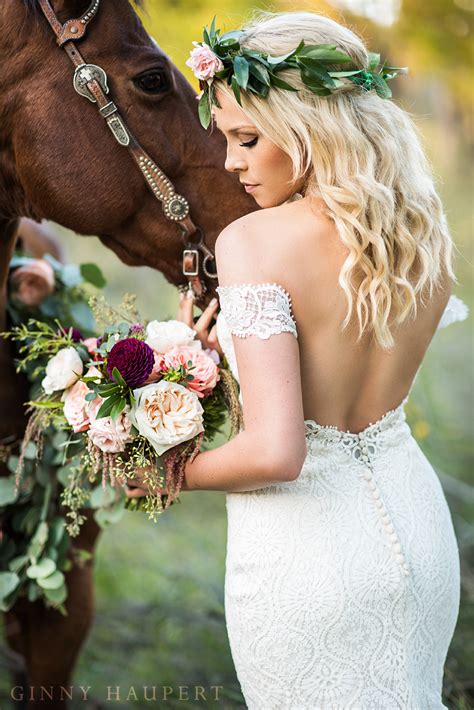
137,488
201,326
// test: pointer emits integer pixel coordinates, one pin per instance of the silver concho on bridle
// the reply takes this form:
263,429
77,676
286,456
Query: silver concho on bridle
88,72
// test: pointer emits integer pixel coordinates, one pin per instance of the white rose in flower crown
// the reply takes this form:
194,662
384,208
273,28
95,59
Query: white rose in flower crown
167,334
167,413
63,370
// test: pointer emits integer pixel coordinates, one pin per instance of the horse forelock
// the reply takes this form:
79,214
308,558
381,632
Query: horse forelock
33,5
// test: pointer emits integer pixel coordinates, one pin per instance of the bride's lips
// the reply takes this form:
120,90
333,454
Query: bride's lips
248,187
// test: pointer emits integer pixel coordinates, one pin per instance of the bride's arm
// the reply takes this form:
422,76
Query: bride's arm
272,446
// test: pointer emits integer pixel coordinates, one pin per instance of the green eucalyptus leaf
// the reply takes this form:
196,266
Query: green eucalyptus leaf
8,583
44,568
107,516
8,494
53,581
30,450
91,272
71,275
17,563
33,592
101,498
12,463
56,596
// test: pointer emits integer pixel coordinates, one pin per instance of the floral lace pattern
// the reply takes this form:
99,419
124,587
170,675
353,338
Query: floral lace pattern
257,309
342,587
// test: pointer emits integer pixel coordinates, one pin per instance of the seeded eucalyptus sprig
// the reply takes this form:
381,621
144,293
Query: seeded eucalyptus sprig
256,72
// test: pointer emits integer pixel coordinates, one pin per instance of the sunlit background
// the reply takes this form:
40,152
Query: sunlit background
160,613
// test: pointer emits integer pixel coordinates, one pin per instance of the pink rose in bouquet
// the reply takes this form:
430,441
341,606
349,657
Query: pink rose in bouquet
33,282
91,345
109,435
205,371
76,406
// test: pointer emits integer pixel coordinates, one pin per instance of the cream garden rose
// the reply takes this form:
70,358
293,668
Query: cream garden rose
63,370
164,335
167,413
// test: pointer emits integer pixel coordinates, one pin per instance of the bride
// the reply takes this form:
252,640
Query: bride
342,572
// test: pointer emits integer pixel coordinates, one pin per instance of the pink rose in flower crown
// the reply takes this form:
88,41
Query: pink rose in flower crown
76,407
33,282
203,62
109,435
205,372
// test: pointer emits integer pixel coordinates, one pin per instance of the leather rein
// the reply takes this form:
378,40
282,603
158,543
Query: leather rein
90,81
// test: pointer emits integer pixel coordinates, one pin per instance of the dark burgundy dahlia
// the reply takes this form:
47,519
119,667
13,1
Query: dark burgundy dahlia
133,359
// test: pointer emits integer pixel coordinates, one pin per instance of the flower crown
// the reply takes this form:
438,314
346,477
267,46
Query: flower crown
222,57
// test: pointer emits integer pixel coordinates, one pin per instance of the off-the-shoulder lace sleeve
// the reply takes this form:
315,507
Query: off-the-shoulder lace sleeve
257,309
455,310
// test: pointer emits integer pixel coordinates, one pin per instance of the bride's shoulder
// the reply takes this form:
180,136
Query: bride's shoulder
276,235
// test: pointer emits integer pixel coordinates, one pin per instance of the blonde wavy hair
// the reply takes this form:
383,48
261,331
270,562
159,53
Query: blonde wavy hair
363,156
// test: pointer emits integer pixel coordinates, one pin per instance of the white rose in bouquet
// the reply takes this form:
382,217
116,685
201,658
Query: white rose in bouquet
167,413
63,370
167,334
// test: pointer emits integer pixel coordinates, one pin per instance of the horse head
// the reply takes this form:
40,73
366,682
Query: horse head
60,161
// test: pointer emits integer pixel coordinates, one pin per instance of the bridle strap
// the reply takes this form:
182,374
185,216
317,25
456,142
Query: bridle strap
90,81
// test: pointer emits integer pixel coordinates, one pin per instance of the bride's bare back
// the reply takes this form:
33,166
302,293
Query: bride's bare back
345,384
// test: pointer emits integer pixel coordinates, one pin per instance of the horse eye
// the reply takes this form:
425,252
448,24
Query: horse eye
153,82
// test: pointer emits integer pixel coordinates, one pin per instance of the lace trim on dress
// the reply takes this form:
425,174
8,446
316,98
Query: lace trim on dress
456,310
262,309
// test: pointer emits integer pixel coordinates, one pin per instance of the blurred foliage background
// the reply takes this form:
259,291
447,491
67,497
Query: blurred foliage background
160,613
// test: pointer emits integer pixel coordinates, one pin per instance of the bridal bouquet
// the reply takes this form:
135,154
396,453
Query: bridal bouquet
136,396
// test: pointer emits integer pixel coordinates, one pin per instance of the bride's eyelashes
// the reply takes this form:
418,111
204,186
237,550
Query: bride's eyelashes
249,144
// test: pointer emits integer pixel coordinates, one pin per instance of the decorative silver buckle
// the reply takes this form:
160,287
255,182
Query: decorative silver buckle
85,73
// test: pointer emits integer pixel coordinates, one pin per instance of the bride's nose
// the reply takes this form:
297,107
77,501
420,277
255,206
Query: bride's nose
234,163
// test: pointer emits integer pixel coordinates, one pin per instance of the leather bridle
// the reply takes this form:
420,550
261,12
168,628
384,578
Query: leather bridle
90,81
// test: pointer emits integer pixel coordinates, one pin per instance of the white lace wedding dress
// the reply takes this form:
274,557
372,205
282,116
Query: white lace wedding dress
342,587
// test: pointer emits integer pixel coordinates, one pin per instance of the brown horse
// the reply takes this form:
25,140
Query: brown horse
59,161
